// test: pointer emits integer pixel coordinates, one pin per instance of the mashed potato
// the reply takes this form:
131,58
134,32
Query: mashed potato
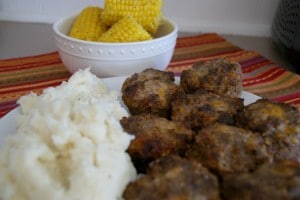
69,145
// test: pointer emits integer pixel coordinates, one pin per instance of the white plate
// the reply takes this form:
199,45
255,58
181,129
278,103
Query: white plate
8,122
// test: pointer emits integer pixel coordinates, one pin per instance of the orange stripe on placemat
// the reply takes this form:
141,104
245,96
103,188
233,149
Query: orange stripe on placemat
32,65
31,86
196,40
39,60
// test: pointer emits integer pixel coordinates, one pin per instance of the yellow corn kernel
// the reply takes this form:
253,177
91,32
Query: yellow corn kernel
126,29
87,25
148,13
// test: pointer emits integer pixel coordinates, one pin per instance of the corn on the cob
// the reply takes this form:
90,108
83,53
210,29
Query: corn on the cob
126,29
87,25
147,12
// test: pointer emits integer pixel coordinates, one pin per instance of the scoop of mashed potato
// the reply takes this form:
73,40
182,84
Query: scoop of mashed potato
69,145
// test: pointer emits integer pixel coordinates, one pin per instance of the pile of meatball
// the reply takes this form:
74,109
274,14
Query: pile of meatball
197,140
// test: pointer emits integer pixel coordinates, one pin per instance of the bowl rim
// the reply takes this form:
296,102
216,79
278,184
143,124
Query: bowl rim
64,36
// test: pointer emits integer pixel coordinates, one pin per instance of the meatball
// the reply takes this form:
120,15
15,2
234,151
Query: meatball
267,117
226,149
155,137
198,110
150,91
279,123
172,177
274,181
217,76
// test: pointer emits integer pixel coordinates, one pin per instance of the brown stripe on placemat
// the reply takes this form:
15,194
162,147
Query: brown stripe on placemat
32,75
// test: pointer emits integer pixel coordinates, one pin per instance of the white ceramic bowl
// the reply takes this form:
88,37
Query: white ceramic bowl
115,59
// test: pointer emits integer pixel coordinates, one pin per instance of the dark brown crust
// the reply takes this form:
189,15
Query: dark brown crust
198,110
205,76
155,137
148,74
150,91
278,123
265,116
172,177
274,181
228,149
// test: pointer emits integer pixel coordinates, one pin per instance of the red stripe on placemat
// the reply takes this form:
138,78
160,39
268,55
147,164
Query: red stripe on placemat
253,64
291,99
7,107
264,77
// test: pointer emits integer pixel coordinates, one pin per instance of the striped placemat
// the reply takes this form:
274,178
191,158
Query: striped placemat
260,76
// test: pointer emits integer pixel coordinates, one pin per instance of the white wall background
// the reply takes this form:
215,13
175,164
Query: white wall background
243,17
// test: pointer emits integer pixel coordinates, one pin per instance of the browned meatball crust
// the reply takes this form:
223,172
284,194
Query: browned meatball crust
228,149
267,117
149,74
175,178
198,110
279,123
276,181
217,76
155,137
150,91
